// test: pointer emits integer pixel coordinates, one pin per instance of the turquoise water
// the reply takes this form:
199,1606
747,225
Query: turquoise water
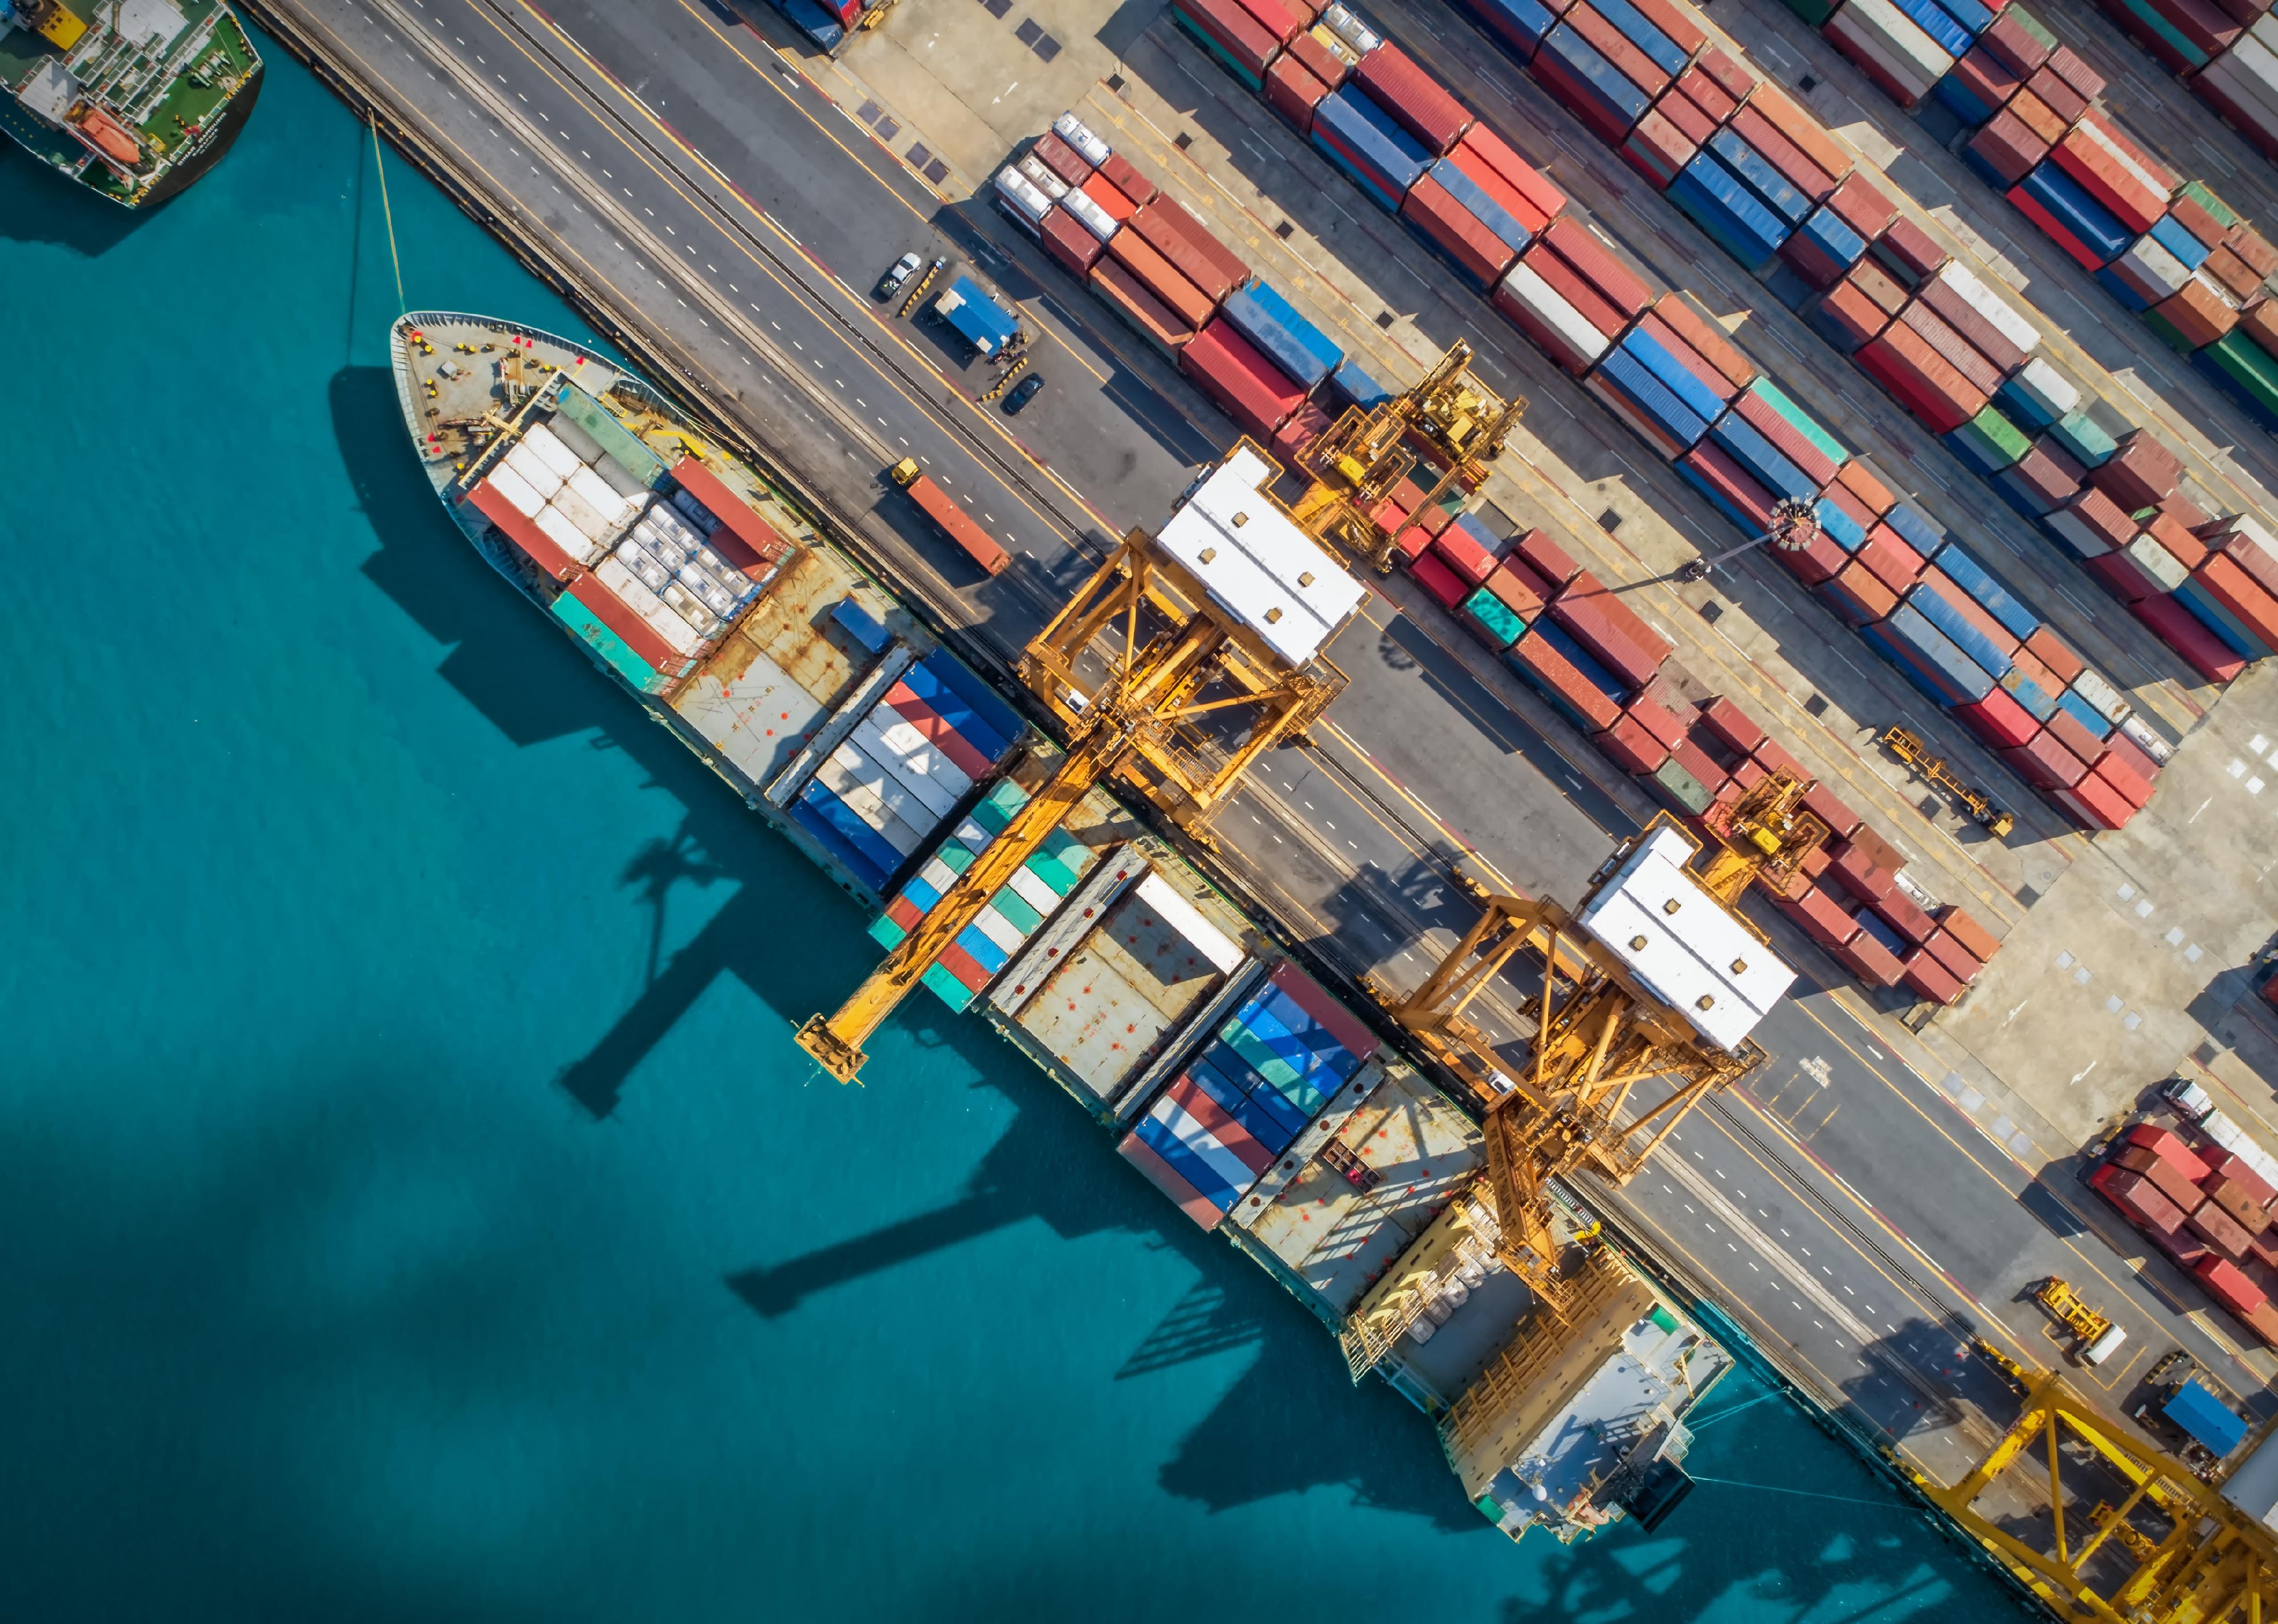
416,1208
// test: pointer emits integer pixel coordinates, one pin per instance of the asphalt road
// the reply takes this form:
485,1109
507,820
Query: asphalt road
718,262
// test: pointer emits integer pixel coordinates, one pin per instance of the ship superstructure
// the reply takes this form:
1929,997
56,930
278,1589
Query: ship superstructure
1261,1105
132,98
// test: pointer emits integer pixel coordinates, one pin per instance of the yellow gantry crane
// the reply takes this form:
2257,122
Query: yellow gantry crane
1159,687
1362,457
1599,1033
2169,1548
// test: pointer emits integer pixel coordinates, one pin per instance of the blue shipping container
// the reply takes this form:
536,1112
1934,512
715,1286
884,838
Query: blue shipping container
1653,356
862,848
1328,1054
1596,77
1257,1121
2079,213
1221,1058
1653,400
860,625
2040,703
1932,606
1921,649
1363,135
1952,37
1974,16
1834,238
2168,233
1956,96
1762,458
2087,715
2226,626
1483,207
1915,527
1519,24
1631,23
1296,346
963,700
812,21
1986,591
2119,290
1757,172
1728,211
1846,532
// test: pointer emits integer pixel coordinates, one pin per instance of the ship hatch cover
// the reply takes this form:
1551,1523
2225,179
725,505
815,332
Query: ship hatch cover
50,92
152,22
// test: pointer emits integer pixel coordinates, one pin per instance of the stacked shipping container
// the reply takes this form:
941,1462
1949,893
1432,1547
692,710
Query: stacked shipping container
2207,1206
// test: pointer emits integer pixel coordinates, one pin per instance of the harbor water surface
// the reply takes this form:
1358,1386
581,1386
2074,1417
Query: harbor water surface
417,1207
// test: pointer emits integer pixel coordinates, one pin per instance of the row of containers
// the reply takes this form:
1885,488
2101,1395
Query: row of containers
1186,295
649,564
1565,633
826,23
1770,185
2205,1203
1665,369
2024,112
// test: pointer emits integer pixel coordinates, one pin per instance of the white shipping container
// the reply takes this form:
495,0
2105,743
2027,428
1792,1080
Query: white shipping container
635,596
2146,738
1090,216
615,510
1351,30
1018,193
556,525
1008,937
900,748
670,522
580,514
661,540
2155,266
1990,305
862,798
1549,307
2051,389
896,797
1183,917
2156,562
2264,32
2102,696
515,490
691,609
2248,73
2075,532
1892,41
549,450
1032,890
1079,135
533,469
1232,498
642,562
716,598
1043,178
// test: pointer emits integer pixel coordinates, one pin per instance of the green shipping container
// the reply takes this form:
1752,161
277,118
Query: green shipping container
1201,36
2250,364
2082,439
1770,392
2168,335
1015,912
2197,191
886,933
1814,11
947,988
1680,788
1996,440
2142,14
606,643
1260,1059
611,435
1496,618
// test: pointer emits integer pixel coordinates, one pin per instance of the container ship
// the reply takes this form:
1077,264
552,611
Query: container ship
132,98
1260,1105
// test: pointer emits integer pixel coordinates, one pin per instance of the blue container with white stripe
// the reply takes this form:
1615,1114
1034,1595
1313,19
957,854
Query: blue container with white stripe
1301,349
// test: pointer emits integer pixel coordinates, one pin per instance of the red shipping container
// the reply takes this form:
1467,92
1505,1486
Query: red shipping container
1604,625
1657,149
1146,315
1865,878
1465,238
1975,939
1069,243
1870,961
2065,103
1109,196
1814,464
1952,347
2200,313
2168,1178
1775,758
1318,60
1842,821
1986,77
1959,962
2140,474
1730,74
1596,263
1859,595
1413,543
2095,803
2247,553
540,548
2222,579
1250,388
1903,915
1447,589
1179,238
1817,561
1706,93
1632,748
1557,673
1903,362
2228,1284
1929,978
1691,120
1293,91
1519,206
1863,206
2065,64
1998,720
1126,177
1282,21
1062,159
2219,1229
2044,763
2184,631
1784,156
1983,336
1609,42
2114,172
1544,557
1909,252
2125,750
2047,646
1683,31
1890,560
2138,1199
1857,317
1190,303
1463,553
2170,1148
1810,136
1545,201
2009,148
1570,285
2252,247
1244,38
1729,722
1657,719
1823,918
1417,102
1705,339
2011,44
2223,1165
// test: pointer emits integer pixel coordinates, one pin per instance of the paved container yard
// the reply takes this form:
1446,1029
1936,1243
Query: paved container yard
1871,1198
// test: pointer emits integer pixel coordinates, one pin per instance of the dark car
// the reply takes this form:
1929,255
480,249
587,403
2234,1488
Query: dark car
890,284
1023,393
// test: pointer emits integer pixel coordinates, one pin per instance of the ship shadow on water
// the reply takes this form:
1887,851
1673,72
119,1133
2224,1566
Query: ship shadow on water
39,205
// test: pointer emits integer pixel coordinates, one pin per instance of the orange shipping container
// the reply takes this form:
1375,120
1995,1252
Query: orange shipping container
1156,274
